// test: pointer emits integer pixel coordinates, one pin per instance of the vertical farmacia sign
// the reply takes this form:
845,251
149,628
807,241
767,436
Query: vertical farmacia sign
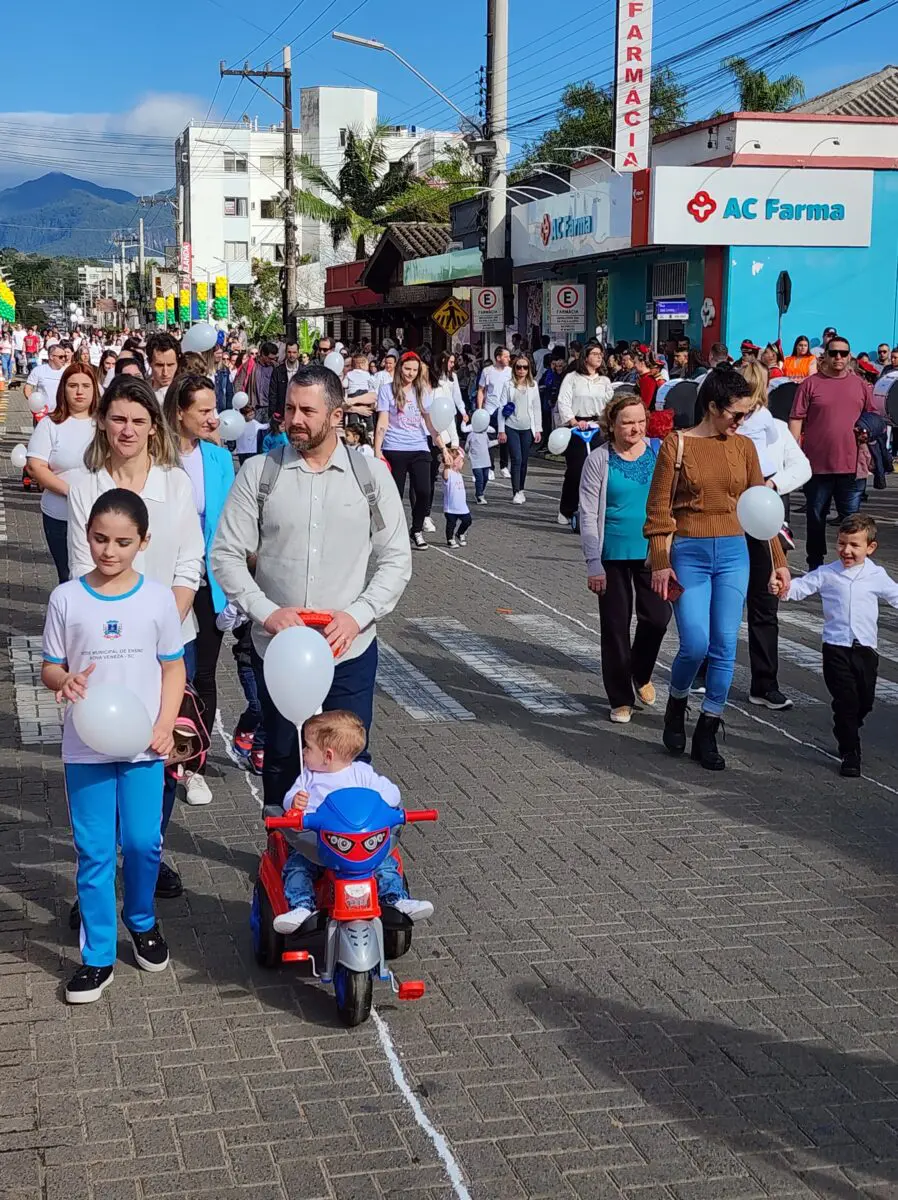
632,85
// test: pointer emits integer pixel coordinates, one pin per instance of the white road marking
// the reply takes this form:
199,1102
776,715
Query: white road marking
3,536
576,621
421,698
521,683
40,717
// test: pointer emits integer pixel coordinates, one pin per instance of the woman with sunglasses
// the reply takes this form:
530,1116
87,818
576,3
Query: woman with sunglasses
699,555
582,397
520,421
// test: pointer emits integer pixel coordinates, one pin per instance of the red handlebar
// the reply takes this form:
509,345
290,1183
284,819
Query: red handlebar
316,620
422,814
290,820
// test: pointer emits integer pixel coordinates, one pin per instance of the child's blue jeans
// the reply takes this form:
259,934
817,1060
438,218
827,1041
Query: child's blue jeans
300,877
481,478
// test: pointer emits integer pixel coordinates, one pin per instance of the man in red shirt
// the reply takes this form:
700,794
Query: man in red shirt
32,347
825,410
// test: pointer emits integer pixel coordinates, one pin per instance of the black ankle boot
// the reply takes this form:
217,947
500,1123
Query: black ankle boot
674,736
704,743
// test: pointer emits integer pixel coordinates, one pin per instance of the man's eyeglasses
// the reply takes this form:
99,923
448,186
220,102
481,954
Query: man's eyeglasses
838,353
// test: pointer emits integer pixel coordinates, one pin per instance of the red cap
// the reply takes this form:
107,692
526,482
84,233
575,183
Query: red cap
749,345
868,368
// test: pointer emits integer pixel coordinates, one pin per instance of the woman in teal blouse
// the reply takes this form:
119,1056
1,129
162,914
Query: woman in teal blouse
614,489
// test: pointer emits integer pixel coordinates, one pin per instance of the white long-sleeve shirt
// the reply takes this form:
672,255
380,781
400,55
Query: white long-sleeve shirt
583,396
850,600
320,784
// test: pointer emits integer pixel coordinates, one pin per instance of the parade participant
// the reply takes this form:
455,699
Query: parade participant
321,542
700,475
770,361
824,414
164,357
332,742
247,443
133,448
43,381
190,410
850,590
490,387
114,803
281,376
455,503
56,447
584,392
801,362
522,427
105,369
614,490
403,426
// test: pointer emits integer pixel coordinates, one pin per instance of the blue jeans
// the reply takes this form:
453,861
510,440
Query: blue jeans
519,443
108,803
56,533
300,877
352,689
481,479
714,574
8,366
820,491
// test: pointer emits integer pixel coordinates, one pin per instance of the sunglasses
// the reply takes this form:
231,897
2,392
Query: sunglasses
838,353
521,367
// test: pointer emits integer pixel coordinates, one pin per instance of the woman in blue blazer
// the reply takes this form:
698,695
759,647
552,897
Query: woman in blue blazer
190,410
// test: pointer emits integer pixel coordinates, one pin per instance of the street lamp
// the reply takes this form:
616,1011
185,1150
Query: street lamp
371,44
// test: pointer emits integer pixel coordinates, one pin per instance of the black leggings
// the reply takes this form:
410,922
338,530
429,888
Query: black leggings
416,465
208,647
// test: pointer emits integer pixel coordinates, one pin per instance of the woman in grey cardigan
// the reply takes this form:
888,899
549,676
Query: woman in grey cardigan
614,489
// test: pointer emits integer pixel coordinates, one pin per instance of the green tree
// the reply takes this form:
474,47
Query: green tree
259,305
585,117
758,92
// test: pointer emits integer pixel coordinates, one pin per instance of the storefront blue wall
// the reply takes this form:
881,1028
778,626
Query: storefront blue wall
629,287
853,288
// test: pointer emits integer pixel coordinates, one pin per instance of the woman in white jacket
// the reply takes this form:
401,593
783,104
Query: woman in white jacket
520,420
582,397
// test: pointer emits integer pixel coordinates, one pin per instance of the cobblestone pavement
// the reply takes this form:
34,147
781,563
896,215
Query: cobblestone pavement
644,981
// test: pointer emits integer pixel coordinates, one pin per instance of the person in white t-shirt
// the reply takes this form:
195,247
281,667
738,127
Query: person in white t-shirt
361,398
18,341
114,628
56,447
490,386
43,382
248,443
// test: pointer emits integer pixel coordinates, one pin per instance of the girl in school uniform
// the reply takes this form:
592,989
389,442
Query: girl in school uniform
114,626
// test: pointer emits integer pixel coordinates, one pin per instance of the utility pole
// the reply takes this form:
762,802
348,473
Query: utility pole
179,239
142,272
291,291
124,243
496,265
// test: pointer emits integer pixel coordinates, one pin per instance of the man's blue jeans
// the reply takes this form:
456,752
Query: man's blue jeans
714,574
300,877
820,491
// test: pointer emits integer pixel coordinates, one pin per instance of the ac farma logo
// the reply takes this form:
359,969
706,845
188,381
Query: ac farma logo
752,208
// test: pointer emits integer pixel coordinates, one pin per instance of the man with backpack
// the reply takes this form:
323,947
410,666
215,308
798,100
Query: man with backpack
314,515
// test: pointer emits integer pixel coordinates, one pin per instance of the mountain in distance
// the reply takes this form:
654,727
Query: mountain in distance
59,214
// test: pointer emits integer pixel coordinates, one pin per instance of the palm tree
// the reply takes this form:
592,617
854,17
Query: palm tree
758,92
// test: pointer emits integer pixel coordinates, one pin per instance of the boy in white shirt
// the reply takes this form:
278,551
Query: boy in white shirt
331,741
850,590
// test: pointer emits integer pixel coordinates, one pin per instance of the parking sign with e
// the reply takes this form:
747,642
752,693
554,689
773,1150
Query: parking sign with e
487,310
567,307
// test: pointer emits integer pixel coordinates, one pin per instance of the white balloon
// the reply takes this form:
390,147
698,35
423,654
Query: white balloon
480,421
760,512
442,412
112,721
240,401
335,362
299,672
559,440
18,456
231,424
199,338
37,403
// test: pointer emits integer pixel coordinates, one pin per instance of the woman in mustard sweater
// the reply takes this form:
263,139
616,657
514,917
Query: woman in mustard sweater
699,555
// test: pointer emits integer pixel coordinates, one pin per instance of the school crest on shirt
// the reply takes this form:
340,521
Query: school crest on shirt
112,629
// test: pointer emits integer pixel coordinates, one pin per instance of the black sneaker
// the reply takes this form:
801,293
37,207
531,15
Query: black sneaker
150,949
851,764
168,885
88,984
771,699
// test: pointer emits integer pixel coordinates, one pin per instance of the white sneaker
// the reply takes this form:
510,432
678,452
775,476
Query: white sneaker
418,910
491,476
561,519
505,473
289,922
453,543
429,526
519,498
197,791
481,500
462,539
418,541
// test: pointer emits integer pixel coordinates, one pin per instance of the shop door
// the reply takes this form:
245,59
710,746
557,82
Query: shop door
668,304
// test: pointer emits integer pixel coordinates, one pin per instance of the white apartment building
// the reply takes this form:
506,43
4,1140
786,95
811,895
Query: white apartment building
232,176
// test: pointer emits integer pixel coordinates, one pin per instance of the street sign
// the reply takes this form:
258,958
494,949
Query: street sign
567,307
487,310
450,316
672,310
783,292
186,260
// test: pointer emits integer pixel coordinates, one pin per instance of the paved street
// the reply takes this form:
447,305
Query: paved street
644,980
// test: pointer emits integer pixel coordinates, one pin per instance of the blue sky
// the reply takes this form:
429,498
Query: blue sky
109,111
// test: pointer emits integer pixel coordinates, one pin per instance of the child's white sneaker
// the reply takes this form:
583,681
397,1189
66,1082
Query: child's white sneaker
289,922
418,910
519,498
429,526
462,539
453,543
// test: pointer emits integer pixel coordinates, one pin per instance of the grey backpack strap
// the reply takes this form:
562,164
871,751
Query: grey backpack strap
270,472
363,477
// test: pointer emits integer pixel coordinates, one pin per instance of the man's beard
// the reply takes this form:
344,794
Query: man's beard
305,442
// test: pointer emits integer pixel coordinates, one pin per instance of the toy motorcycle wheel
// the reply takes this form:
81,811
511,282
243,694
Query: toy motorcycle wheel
268,945
397,942
352,990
